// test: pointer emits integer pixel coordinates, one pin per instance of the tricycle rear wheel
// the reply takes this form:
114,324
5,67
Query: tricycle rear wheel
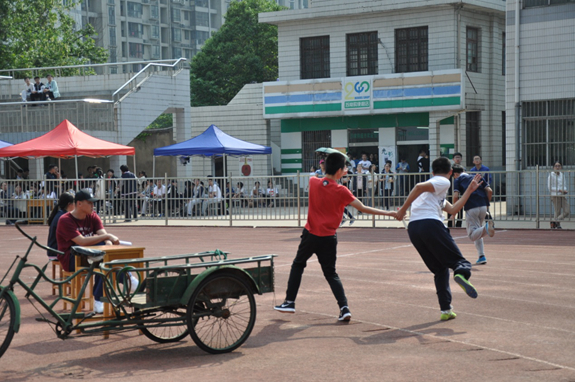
165,333
7,320
168,332
221,313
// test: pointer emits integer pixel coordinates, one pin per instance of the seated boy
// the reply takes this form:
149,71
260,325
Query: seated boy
327,200
82,226
431,237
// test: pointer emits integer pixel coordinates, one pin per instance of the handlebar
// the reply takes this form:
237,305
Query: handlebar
33,239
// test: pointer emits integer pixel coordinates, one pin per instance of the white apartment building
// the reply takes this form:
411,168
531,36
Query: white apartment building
390,78
151,29
135,30
540,82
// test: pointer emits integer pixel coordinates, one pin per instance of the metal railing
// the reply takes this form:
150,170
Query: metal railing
81,70
132,84
42,116
284,199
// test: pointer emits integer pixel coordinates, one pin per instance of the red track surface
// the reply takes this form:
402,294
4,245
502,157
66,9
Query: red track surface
521,328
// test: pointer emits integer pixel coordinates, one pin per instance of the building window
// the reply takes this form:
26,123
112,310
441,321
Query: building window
155,51
411,53
503,139
113,57
314,57
201,37
548,132
176,34
503,42
176,52
202,19
134,10
112,37
472,49
135,30
154,12
186,16
186,34
112,15
155,32
543,3
176,15
136,50
310,141
473,136
362,54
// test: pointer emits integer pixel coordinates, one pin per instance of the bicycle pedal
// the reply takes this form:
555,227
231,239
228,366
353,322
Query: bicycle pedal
90,315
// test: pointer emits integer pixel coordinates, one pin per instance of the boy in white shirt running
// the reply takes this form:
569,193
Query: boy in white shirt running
431,238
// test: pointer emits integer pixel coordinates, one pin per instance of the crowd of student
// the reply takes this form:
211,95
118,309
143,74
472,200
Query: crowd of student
38,91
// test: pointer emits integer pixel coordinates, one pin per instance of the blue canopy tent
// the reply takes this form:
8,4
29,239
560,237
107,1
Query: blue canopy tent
4,144
212,143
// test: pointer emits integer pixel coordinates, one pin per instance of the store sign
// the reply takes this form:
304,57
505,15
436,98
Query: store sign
357,93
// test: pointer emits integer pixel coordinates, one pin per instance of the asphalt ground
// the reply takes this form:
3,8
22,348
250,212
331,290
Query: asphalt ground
520,328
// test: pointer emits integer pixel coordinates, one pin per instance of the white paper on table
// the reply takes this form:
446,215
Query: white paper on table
125,242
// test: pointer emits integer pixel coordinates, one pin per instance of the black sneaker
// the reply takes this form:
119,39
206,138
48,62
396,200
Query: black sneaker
286,307
344,314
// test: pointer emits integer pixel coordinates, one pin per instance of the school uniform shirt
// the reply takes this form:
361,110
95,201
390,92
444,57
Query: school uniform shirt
478,198
327,199
365,166
429,205
68,228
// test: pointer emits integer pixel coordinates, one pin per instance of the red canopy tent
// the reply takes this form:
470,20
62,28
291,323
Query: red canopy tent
66,141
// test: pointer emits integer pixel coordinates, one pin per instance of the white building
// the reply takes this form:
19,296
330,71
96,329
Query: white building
540,82
391,78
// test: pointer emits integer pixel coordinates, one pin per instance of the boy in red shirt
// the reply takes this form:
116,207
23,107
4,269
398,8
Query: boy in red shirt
327,199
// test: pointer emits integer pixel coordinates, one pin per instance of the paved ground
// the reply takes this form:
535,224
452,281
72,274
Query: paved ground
521,328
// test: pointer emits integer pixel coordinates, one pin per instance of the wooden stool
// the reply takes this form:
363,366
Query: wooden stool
58,273
87,300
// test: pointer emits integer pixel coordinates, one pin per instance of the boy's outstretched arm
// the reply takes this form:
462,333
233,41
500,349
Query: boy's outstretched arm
454,209
368,210
419,189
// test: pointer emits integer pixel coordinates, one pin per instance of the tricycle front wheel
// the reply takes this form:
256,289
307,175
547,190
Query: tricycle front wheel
221,313
7,320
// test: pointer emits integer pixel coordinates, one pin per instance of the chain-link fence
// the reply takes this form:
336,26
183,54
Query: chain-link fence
529,196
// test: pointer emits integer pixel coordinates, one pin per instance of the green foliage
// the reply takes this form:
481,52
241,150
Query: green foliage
39,33
241,52
162,122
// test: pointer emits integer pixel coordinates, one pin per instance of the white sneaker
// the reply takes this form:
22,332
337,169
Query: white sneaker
98,307
134,283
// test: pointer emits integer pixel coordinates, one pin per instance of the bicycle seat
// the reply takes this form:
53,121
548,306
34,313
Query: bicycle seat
91,254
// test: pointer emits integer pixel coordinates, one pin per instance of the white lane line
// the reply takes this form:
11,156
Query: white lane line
454,341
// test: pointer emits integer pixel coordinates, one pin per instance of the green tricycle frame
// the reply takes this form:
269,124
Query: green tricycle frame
205,295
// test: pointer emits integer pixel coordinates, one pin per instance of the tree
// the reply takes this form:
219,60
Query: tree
241,52
40,33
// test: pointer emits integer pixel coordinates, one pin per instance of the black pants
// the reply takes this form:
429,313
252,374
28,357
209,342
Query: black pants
439,253
130,207
325,248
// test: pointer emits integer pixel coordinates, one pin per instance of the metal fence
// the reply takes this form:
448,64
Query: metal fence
517,196
42,116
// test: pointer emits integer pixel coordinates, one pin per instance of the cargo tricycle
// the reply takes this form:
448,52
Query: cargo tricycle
204,295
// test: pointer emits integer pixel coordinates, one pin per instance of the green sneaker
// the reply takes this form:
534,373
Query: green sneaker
466,286
447,315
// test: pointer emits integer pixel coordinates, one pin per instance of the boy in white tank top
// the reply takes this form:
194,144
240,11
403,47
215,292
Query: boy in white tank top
431,238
